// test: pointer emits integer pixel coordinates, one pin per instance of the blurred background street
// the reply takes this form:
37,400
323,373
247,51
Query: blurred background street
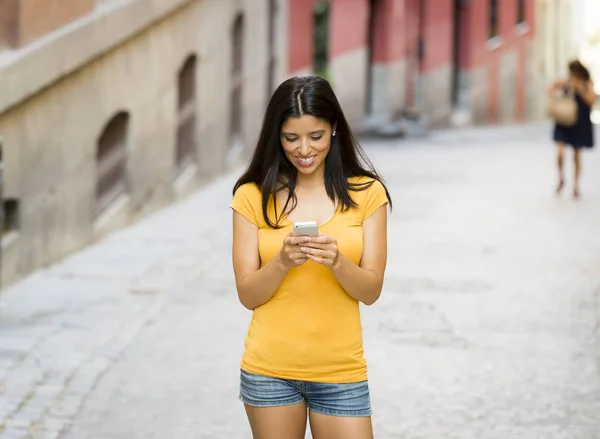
123,126
487,326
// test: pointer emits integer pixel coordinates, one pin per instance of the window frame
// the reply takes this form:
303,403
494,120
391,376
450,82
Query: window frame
112,158
187,95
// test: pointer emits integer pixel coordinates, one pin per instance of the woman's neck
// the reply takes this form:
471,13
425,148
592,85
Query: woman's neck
312,181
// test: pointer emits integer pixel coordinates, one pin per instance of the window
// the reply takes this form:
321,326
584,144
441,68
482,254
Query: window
321,38
111,160
237,79
186,128
10,216
493,17
520,11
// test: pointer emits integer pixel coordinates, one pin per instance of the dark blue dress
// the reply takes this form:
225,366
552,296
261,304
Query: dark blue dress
580,135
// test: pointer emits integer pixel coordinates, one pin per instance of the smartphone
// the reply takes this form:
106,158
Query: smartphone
306,228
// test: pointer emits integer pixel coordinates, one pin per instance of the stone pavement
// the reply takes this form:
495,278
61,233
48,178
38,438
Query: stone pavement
487,326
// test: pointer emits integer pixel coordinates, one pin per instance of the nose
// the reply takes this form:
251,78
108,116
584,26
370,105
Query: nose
304,148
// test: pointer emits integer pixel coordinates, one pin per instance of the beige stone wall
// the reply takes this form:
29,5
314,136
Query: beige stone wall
535,88
554,32
507,87
396,80
554,45
348,76
50,139
479,92
387,91
437,96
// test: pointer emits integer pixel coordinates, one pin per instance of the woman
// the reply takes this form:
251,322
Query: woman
580,135
304,351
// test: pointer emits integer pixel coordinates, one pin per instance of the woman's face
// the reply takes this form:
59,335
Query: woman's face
306,141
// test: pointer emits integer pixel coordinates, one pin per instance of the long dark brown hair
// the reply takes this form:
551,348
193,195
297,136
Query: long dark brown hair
578,70
272,172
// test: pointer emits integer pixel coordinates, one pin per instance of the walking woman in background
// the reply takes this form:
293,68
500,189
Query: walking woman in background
304,348
580,134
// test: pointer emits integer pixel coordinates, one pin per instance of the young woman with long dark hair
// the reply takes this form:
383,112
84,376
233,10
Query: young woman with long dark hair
581,134
303,355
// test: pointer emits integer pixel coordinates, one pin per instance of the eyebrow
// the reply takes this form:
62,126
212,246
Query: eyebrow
313,132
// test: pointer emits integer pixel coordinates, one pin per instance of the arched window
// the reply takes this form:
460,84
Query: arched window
111,161
237,79
186,128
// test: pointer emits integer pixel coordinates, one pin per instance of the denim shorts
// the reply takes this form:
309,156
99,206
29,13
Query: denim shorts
350,399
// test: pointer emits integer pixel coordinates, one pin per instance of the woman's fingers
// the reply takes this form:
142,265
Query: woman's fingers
295,240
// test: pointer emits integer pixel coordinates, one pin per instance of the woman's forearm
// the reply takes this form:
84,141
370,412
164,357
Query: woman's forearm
359,283
556,84
257,288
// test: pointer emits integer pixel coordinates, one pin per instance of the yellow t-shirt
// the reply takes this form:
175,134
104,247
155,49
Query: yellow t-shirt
310,330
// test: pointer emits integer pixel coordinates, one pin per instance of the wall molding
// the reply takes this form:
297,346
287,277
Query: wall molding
27,71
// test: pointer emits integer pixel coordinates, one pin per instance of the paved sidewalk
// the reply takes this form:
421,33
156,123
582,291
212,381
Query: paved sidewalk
62,328
487,327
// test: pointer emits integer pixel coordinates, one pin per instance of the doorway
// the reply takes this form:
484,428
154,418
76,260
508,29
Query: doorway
321,39
459,50
374,5
415,36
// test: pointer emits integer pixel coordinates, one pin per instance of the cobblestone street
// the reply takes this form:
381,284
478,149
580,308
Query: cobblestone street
487,328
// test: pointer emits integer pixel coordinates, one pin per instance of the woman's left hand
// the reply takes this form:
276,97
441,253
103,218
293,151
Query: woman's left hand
322,249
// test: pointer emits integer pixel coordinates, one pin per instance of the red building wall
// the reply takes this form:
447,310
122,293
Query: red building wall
300,32
482,53
401,24
24,21
347,26
348,30
437,33
390,32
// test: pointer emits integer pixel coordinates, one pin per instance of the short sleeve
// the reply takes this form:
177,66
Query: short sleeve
247,202
375,197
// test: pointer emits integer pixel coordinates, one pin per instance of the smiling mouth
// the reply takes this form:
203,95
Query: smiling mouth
306,161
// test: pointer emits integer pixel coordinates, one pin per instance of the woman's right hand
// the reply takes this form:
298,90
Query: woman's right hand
290,255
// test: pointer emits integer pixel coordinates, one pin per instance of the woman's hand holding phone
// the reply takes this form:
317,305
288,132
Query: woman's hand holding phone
290,254
304,243
321,249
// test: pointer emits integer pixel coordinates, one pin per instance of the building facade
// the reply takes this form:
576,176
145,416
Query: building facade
110,110
588,38
555,42
466,58
566,30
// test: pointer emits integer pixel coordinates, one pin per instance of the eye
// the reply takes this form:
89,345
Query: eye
316,137
291,139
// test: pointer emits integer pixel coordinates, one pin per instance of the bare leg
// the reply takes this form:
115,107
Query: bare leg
338,427
287,421
577,162
560,149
